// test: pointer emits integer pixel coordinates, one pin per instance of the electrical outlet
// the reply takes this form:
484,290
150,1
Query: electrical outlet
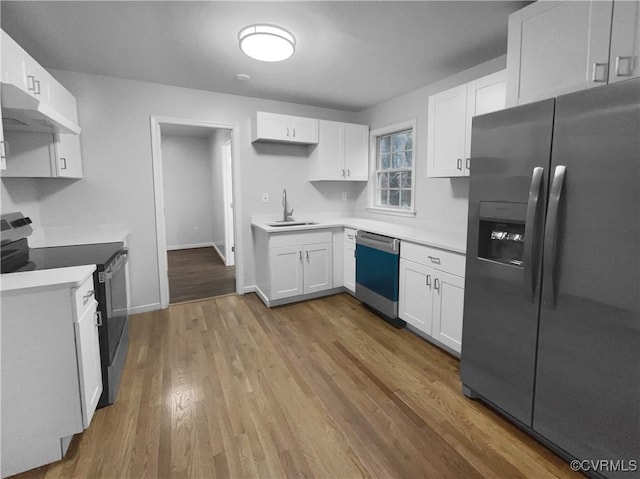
344,196
265,197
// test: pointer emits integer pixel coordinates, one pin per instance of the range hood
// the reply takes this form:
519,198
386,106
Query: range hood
23,112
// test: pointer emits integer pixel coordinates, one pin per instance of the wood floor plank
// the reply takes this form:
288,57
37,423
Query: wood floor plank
198,273
226,388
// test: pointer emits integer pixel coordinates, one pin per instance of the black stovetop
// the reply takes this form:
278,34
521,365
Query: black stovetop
32,259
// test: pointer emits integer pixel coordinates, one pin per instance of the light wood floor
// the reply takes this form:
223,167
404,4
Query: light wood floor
198,273
322,389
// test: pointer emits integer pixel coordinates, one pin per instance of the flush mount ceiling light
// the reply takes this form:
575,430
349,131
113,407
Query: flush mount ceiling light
267,43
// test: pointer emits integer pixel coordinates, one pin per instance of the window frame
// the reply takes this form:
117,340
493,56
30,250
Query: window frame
373,169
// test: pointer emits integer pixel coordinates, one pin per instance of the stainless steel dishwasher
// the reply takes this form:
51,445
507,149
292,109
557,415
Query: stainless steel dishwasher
377,274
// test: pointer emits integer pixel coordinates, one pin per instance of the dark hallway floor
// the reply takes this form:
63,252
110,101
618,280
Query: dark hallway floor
198,273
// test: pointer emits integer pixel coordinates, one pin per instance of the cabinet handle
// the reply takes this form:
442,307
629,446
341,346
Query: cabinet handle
307,254
87,296
436,284
294,132
300,255
350,236
348,172
31,80
37,87
468,163
287,131
429,281
459,164
619,63
343,172
98,318
63,162
3,150
434,259
594,72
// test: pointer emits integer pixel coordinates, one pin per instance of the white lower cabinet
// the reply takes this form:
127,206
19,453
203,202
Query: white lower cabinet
51,374
431,295
349,264
299,263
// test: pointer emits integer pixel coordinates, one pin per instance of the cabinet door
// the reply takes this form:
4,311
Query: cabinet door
349,272
484,95
13,67
356,152
286,271
556,48
68,156
448,297
62,101
327,159
625,41
303,130
416,298
445,135
318,271
88,354
272,126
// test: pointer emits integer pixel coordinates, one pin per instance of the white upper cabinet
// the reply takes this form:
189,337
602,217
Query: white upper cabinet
561,47
342,153
449,127
42,155
276,128
32,99
625,41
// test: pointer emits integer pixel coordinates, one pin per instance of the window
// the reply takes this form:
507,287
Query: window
394,169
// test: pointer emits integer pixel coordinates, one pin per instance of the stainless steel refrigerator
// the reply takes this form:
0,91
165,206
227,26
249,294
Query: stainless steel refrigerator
551,332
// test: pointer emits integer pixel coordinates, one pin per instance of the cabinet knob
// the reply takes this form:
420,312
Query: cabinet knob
624,61
599,72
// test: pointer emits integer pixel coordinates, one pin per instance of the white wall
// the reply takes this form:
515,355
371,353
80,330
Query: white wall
218,205
188,196
440,202
21,194
118,183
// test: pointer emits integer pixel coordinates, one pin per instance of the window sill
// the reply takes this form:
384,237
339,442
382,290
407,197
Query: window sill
390,211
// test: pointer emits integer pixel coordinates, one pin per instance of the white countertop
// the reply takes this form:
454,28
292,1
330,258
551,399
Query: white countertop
46,278
449,240
72,235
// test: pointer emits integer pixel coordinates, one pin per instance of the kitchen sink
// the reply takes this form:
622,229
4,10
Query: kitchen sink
292,223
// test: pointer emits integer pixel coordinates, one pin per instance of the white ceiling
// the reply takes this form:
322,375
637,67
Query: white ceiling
349,55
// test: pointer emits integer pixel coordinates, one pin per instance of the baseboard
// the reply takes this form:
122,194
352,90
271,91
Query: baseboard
190,246
145,308
249,289
217,250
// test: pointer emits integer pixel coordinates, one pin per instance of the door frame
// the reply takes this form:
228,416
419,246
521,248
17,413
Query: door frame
158,191
229,219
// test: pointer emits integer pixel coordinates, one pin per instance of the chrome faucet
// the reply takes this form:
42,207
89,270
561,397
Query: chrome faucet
286,215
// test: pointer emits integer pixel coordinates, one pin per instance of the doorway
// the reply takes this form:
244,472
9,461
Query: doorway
195,214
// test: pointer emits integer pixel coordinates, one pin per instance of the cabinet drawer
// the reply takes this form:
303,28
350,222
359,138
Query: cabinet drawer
299,238
448,261
84,297
350,235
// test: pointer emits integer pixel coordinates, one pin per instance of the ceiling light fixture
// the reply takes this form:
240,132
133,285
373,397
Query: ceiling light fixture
267,43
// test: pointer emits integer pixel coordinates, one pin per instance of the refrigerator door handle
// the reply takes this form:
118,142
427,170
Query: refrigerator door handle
551,235
530,236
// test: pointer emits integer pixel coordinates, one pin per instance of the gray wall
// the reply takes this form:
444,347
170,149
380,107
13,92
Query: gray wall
188,196
118,184
440,202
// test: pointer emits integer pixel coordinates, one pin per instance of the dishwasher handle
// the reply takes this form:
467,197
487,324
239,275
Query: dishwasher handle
379,242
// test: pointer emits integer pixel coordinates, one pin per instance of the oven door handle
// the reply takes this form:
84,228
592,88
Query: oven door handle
123,257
